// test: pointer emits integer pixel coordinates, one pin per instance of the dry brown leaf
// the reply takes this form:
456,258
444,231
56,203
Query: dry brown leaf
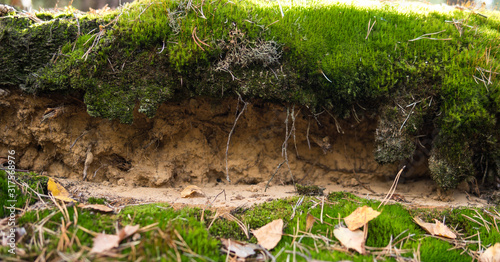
192,191
127,231
240,249
269,235
309,222
442,230
97,207
360,217
492,254
58,191
437,229
351,239
105,242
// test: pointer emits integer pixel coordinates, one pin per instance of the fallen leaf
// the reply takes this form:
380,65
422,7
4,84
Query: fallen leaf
309,222
360,217
127,231
351,239
192,191
240,249
97,207
105,242
442,230
437,229
492,254
58,191
269,235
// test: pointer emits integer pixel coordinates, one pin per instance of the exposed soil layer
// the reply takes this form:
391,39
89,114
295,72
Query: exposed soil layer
186,143
222,196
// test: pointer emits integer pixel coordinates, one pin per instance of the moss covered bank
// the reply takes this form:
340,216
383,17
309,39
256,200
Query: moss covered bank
428,75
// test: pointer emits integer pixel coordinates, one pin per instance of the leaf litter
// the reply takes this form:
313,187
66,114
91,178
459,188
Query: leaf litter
106,242
435,229
58,191
269,235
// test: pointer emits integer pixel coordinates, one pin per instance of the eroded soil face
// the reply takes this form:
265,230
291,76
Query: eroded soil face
186,143
153,159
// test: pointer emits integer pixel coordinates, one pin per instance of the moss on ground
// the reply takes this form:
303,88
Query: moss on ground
194,234
12,195
319,55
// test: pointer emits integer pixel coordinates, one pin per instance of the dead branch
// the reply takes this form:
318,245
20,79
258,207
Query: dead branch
223,191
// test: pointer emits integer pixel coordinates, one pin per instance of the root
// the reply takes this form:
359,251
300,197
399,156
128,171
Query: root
271,179
288,134
339,129
307,134
89,159
232,130
84,132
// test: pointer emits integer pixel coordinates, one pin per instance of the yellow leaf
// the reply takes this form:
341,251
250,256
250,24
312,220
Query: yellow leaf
360,217
58,191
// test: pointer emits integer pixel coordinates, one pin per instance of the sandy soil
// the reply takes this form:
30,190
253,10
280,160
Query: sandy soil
224,196
151,160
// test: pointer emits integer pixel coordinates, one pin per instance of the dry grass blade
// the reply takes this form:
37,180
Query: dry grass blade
430,38
473,220
193,35
494,217
370,28
486,223
392,189
97,37
243,227
299,202
213,219
185,248
92,233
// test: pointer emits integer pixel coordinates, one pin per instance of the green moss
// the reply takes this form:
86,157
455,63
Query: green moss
95,200
12,194
182,234
318,55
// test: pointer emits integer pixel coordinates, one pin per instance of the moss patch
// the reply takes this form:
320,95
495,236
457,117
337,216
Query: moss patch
194,233
318,55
